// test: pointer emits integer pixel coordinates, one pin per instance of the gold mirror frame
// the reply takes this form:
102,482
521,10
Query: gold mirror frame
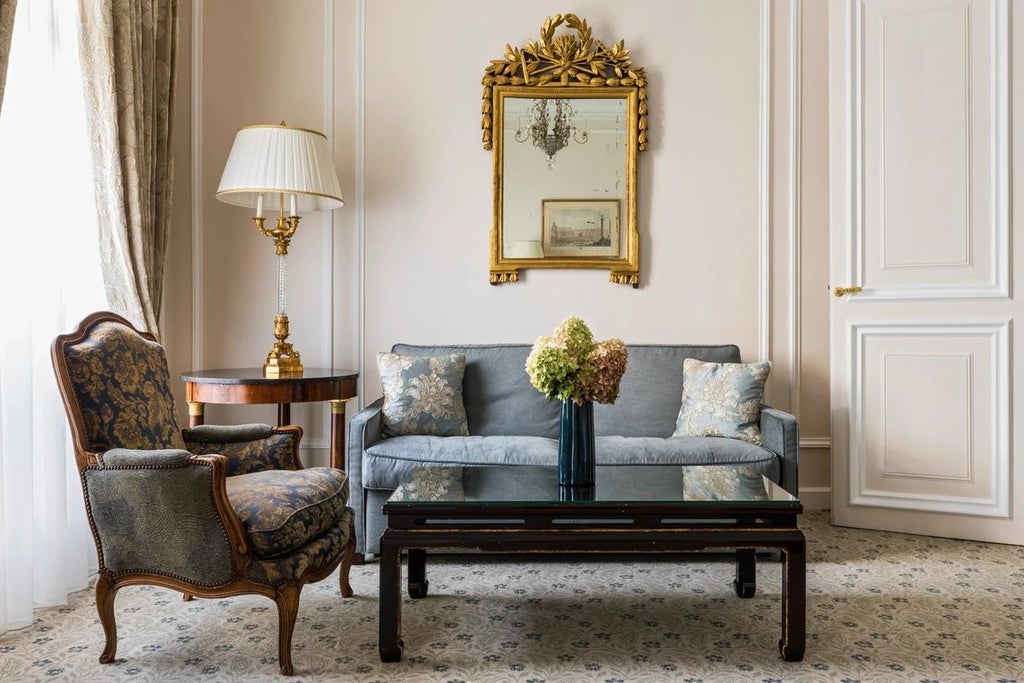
567,68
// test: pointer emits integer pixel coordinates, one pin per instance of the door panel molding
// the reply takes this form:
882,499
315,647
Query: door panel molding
985,489
983,272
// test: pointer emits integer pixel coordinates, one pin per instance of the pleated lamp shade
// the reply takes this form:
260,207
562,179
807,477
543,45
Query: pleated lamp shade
280,159
526,249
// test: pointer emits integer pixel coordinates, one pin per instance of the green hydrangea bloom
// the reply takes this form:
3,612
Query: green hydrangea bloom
575,337
551,369
570,366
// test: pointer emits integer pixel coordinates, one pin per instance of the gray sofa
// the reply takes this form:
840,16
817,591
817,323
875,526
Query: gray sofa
511,423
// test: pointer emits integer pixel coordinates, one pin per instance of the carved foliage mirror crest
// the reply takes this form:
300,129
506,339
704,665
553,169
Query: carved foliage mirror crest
565,118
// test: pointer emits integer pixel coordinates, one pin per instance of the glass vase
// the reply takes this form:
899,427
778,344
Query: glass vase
577,457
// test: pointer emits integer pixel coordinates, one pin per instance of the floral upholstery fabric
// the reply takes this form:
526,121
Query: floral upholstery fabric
723,482
248,448
722,399
321,553
120,382
423,394
6,33
284,510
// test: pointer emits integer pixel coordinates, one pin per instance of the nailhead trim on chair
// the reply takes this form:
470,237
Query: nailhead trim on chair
96,538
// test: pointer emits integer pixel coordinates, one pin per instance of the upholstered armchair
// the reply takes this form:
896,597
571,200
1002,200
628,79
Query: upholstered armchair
211,511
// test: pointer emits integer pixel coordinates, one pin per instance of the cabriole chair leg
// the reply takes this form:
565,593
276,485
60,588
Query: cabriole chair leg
287,610
346,564
106,589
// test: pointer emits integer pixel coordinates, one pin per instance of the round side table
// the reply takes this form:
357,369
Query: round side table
249,386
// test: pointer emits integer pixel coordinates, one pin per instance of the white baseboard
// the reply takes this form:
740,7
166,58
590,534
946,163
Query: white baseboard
816,497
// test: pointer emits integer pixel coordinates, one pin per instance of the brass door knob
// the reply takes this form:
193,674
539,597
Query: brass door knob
839,291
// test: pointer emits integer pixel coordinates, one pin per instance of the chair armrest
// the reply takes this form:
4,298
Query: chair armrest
164,512
780,434
248,448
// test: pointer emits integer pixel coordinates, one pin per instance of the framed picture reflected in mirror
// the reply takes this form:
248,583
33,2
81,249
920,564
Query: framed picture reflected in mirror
575,228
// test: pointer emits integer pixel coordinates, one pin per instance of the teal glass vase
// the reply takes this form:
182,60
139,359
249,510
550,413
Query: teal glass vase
577,457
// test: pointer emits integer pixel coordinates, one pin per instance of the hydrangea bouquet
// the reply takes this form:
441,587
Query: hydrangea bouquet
571,366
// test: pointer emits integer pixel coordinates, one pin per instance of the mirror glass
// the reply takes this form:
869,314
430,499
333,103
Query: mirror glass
564,166
565,118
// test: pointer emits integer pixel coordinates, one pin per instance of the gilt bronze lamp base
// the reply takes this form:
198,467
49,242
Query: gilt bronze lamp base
283,360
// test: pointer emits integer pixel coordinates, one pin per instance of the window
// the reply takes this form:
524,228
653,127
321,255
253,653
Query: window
50,278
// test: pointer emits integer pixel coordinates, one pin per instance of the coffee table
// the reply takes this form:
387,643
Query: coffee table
631,509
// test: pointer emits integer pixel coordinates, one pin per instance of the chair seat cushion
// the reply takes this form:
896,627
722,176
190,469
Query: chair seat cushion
283,510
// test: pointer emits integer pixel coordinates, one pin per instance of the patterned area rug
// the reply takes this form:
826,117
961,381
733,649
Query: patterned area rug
881,607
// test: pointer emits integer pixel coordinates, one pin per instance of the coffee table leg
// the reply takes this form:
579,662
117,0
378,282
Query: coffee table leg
418,583
745,583
389,638
794,601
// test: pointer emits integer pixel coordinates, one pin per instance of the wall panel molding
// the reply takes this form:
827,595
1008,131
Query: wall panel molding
795,224
360,197
779,189
328,253
320,440
197,183
764,224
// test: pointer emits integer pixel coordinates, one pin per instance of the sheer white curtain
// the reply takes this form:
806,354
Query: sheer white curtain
49,280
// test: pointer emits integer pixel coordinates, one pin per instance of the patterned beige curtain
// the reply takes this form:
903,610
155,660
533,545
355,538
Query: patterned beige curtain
6,31
128,52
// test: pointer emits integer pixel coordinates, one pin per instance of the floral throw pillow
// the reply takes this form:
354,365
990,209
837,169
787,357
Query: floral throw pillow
422,394
722,399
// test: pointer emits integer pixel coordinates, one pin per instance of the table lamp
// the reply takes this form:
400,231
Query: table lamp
293,165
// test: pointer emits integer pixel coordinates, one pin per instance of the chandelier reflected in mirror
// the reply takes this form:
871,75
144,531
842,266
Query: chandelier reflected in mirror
551,132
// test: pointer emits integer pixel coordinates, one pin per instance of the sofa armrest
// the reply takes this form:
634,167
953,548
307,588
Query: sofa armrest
780,434
164,512
364,430
249,447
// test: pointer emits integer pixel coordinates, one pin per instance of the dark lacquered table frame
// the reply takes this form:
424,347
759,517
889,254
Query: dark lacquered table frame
511,527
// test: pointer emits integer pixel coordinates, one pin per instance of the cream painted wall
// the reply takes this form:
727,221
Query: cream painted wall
687,207
396,86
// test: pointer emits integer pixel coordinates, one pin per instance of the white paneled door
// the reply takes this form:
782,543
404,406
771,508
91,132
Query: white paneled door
922,334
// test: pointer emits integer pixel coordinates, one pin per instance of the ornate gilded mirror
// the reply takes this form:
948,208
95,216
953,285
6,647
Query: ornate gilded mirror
565,118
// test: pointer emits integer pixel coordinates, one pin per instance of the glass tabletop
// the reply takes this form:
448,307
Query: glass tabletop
618,484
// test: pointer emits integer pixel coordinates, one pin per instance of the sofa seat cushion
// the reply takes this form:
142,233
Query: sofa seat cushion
388,461
685,450
283,510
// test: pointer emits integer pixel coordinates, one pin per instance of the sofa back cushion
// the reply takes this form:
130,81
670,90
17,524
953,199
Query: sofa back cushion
499,399
652,389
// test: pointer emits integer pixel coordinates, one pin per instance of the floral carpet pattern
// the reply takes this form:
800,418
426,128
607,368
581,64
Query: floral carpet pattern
880,607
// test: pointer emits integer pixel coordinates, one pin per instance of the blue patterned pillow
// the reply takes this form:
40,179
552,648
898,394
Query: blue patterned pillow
422,394
722,399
